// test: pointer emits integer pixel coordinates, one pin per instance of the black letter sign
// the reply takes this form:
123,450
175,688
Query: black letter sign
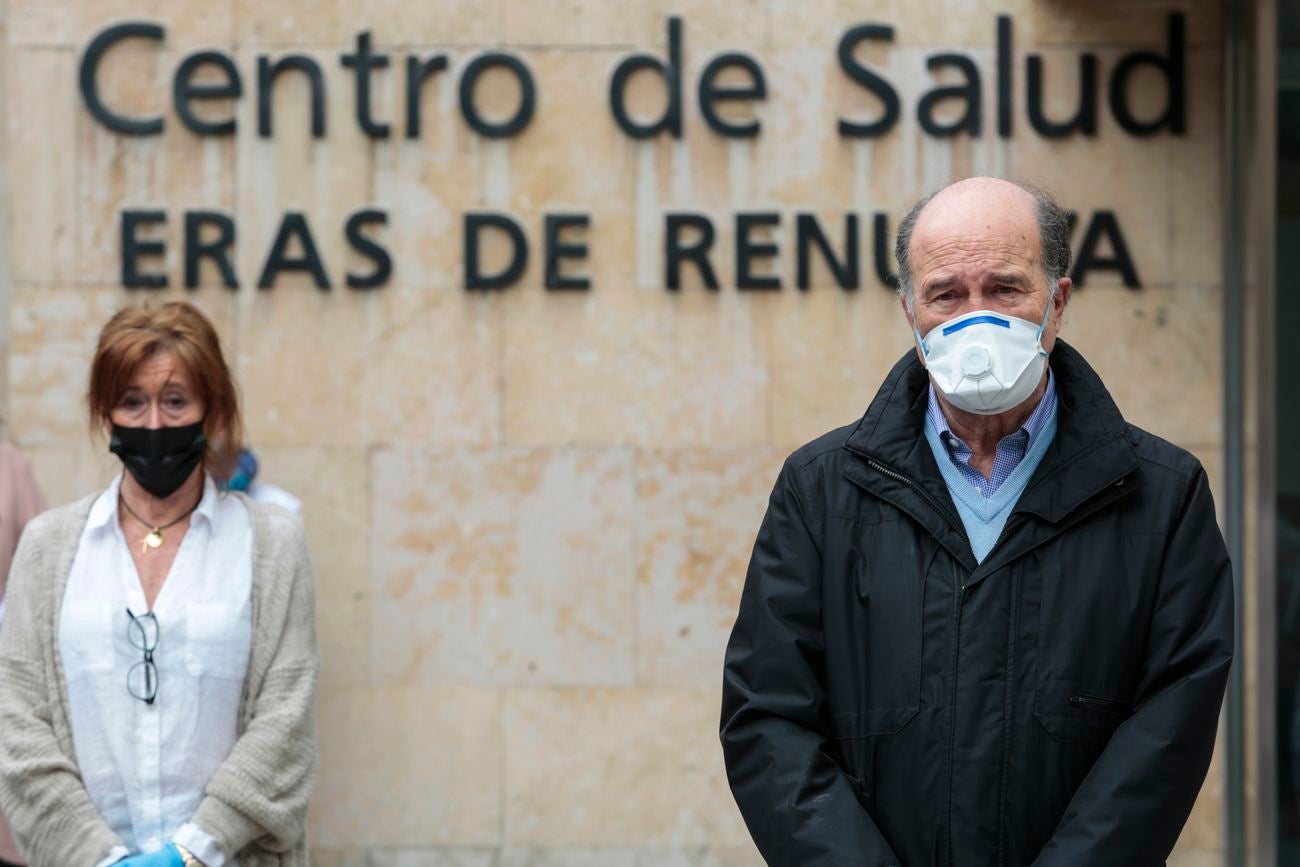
867,78
556,249
698,253
671,119
1175,71
132,248
293,224
90,85
363,62
184,90
527,96
368,248
711,92
474,278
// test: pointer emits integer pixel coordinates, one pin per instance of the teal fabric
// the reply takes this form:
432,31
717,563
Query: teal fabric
984,517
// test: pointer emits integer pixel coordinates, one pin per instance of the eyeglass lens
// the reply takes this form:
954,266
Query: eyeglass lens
142,678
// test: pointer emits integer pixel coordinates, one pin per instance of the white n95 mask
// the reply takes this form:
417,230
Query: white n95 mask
985,362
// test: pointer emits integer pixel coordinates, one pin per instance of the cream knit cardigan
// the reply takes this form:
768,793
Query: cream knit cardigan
256,804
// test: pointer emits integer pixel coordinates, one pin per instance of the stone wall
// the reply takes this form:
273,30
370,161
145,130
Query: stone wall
531,511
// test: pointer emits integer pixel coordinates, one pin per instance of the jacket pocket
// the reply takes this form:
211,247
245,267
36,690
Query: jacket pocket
1071,716
857,736
1101,705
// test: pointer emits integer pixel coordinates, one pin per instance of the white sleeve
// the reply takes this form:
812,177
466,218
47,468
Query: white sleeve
117,853
200,844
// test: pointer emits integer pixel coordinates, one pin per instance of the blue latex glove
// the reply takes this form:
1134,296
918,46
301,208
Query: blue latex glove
167,856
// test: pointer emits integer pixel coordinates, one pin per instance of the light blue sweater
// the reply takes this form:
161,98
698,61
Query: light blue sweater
984,517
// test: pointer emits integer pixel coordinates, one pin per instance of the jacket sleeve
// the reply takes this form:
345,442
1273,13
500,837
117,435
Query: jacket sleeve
51,814
800,808
260,793
1134,802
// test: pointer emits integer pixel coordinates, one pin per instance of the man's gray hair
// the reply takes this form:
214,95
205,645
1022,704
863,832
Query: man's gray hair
1053,229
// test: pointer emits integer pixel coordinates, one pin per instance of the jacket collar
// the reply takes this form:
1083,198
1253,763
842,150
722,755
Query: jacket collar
1091,450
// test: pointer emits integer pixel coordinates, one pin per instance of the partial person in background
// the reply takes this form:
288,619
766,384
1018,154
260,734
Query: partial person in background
244,479
20,501
159,662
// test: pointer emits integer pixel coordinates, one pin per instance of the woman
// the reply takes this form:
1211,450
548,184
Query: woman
158,661
20,501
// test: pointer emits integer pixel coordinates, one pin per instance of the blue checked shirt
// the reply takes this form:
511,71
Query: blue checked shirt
1011,448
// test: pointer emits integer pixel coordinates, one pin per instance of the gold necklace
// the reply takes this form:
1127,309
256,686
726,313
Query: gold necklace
154,538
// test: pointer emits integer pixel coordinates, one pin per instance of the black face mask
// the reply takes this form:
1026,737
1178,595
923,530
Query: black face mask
160,459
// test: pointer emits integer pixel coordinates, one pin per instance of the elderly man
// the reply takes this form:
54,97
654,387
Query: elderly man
991,622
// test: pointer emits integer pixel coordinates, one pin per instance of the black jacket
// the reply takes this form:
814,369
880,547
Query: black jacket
888,701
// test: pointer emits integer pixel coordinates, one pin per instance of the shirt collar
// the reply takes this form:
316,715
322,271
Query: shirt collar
1033,425
104,510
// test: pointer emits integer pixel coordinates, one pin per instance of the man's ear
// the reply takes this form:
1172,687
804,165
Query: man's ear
1063,287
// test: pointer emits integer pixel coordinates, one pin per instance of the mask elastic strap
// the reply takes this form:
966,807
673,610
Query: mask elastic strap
1046,313
925,350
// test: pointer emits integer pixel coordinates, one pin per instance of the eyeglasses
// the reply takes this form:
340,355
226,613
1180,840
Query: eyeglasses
142,679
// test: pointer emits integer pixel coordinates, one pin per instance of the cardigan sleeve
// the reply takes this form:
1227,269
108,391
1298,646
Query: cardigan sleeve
42,793
260,793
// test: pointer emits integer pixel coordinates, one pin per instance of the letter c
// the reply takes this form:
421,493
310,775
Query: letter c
90,68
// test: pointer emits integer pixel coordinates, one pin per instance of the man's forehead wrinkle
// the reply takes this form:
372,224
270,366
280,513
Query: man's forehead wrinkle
965,253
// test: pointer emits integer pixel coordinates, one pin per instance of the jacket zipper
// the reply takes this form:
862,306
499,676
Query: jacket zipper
959,587
1105,705
929,500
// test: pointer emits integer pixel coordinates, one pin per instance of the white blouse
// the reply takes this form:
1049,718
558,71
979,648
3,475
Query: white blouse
146,766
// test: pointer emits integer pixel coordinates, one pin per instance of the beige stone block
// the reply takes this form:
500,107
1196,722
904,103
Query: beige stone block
407,768
712,28
320,23
42,179
326,179
175,172
937,26
581,22
730,856
420,23
334,487
350,368
1196,169
572,780
53,337
1142,23
1113,172
831,350
504,566
572,157
428,184
1183,856
1157,351
697,513
567,858
1204,829
330,23
647,367
431,858
75,22
801,161
804,161
431,184
339,858
69,472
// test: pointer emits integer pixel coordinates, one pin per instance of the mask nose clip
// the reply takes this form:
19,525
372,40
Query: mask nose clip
976,362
